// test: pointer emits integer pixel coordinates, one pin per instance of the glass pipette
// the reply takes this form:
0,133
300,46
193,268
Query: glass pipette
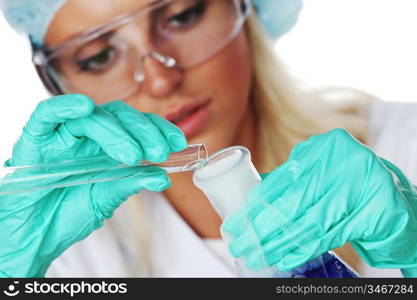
91,170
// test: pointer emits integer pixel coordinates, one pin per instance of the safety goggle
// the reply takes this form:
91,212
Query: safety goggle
106,63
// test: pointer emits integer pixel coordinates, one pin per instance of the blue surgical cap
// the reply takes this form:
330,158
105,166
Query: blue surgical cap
34,16
278,16
31,17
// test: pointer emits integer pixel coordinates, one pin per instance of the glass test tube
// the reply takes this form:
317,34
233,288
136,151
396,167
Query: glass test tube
227,179
91,170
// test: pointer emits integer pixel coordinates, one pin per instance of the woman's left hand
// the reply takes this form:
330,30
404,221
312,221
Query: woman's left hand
332,190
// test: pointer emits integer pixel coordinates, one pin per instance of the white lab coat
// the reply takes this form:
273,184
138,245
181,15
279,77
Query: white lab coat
170,246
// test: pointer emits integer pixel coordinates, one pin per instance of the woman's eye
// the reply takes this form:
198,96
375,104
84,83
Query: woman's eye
188,16
98,62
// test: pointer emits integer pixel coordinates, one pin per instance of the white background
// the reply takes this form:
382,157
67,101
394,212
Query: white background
367,44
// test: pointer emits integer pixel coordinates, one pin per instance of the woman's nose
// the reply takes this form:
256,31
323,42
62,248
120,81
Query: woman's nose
159,79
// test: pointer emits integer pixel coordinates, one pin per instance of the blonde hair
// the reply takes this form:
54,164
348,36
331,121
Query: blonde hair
285,116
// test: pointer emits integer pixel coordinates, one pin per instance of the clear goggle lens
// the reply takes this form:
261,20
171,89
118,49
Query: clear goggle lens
178,34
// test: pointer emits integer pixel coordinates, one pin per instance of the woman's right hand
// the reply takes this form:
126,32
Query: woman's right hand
37,227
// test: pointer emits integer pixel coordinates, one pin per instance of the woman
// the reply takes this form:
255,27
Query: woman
206,67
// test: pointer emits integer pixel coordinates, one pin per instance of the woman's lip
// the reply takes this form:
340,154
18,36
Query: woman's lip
195,121
190,118
173,116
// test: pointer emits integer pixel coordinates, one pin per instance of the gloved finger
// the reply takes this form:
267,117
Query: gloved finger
106,130
273,205
308,147
298,261
332,229
267,225
149,134
276,225
236,224
296,258
256,260
310,259
276,182
110,196
279,200
293,203
278,243
267,191
244,243
311,149
175,137
409,272
153,144
49,113
274,254
287,259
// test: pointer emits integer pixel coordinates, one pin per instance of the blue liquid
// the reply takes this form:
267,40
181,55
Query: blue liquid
325,266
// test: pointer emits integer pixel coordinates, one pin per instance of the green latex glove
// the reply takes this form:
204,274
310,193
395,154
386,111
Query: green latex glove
37,227
332,190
